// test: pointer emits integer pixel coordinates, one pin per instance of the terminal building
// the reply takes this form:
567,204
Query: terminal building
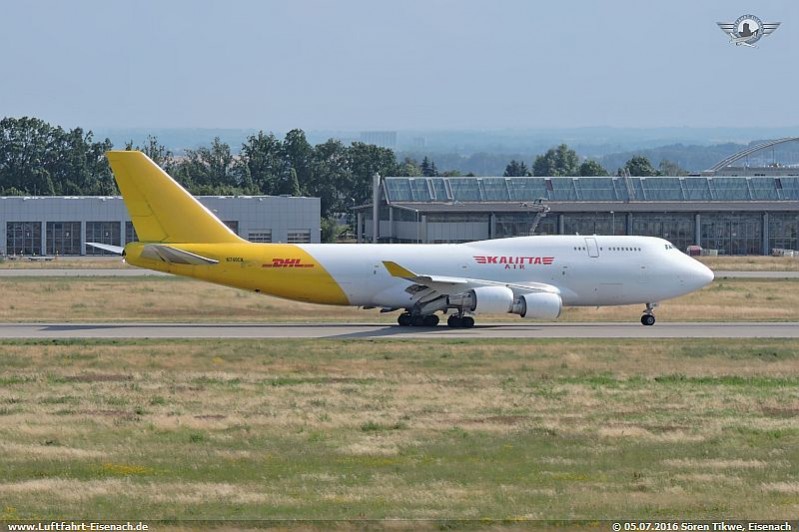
53,226
725,214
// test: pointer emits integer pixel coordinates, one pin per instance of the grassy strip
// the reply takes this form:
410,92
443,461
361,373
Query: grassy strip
499,429
105,299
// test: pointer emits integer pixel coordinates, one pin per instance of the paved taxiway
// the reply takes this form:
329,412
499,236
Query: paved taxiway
374,331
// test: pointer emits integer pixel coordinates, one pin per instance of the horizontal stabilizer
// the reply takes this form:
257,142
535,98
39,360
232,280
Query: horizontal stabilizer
116,250
174,255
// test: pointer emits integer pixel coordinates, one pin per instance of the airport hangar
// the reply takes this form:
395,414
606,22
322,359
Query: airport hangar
734,210
54,226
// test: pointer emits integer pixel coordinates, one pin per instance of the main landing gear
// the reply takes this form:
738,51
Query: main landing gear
457,322
648,318
407,320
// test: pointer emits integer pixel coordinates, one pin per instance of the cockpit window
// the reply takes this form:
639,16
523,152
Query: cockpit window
669,246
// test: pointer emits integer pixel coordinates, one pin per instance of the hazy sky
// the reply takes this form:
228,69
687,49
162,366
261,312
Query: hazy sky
395,64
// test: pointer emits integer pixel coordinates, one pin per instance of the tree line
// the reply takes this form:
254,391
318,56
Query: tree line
563,161
37,158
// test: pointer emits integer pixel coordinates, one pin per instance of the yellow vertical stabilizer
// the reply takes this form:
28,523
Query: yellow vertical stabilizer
162,210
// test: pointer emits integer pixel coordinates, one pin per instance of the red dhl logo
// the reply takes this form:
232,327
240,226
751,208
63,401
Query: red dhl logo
287,263
520,261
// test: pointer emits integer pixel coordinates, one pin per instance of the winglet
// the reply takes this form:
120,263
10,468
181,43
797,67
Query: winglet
398,271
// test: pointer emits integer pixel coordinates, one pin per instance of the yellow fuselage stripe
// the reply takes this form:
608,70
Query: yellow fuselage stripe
282,270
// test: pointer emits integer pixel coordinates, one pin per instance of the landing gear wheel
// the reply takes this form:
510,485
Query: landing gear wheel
431,320
417,321
404,319
466,322
648,318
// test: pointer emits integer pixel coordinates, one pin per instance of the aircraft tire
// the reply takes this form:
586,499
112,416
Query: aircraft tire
454,322
404,319
417,321
648,320
431,320
467,322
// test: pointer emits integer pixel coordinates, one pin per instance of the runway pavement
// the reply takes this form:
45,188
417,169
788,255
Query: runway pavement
375,331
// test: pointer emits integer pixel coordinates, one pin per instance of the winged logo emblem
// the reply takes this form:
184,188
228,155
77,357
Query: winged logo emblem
747,30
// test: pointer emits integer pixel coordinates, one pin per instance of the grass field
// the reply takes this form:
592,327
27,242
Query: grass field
30,299
400,429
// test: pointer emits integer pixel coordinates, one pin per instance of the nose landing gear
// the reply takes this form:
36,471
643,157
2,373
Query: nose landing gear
648,318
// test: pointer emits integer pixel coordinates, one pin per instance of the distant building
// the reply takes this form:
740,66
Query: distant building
732,214
62,225
418,143
384,139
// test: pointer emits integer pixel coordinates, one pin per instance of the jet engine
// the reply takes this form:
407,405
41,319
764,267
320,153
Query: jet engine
484,299
538,306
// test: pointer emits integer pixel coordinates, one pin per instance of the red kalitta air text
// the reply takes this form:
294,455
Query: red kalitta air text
288,263
513,262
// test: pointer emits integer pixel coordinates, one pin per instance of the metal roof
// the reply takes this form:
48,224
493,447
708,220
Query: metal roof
517,190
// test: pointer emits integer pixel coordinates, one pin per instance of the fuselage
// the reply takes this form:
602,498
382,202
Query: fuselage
586,270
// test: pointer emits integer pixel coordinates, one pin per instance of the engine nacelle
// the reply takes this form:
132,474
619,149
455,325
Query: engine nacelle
538,306
485,299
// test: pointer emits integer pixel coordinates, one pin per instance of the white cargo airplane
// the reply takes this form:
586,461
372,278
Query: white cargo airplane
533,277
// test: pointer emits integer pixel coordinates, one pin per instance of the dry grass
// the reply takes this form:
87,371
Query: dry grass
752,263
70,263
179,299
579,429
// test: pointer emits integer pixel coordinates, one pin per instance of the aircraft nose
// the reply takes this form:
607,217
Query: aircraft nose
699,274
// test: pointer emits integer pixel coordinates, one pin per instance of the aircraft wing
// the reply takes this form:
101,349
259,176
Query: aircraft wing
456,285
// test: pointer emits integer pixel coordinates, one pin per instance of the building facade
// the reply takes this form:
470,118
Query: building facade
732,215
33,226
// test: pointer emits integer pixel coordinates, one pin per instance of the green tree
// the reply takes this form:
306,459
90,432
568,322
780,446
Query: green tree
560,161
331,177
290,184
670,168
365,160
156,151
298,153
408,168
639,166
331,229
209,170
516,169
261,163
428,168
591,167
37,158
